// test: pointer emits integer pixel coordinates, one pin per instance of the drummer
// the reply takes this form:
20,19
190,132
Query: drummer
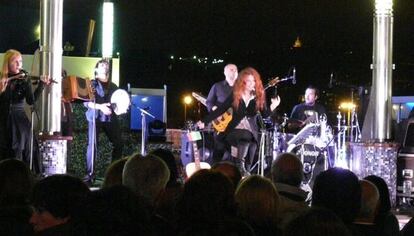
310,110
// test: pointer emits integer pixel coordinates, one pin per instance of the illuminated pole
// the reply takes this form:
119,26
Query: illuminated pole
382,69
51,15
107,29
187,101
185,112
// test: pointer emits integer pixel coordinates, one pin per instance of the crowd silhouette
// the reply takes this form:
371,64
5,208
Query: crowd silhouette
147,195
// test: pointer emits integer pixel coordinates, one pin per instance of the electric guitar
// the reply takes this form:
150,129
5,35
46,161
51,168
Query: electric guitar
191,168
221,122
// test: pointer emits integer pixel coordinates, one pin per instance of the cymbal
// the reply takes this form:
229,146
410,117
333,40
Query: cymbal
295,122
342,126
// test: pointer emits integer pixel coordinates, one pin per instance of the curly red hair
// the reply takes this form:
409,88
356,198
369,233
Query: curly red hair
240,86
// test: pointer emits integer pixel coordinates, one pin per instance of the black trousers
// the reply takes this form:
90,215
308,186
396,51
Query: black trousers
220,147
245,143
113,132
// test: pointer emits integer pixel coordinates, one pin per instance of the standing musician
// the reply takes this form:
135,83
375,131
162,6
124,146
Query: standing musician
219,92
101,112
306,111
15,127
249,103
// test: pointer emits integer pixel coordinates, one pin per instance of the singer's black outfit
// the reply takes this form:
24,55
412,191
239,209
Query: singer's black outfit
218,94
245,140
108,123
15,126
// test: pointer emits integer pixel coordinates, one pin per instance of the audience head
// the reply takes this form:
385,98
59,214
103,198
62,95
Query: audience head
287,169
168,157
384,194
146,176
338,190
369,202
113,175
228,169
315,222
115,210
257,199
56,199
16,182
208,195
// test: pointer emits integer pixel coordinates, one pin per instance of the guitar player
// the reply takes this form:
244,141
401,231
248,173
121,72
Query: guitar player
248,100
219,92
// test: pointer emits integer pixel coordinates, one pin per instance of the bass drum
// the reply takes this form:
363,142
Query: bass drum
313,160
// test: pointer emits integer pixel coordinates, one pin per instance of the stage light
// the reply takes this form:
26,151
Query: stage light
172,57
383,6
37,32
347,105
107,29
188,100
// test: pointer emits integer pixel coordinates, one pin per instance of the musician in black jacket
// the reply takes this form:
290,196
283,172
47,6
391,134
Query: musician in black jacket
219,92
248,102
15,127
101,112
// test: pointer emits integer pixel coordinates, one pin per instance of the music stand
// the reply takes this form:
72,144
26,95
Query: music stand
143,126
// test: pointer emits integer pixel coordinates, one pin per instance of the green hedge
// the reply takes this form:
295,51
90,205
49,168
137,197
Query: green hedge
76,162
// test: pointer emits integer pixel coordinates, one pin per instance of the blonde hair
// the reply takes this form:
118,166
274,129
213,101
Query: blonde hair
8,55
257,199
11,53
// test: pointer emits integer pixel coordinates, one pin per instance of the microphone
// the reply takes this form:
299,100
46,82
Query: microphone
129,88
330,85
294,76
260,120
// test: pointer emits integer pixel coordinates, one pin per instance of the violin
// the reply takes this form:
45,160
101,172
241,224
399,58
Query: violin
21,75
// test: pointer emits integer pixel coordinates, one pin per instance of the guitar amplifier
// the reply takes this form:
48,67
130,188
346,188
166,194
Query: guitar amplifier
74,88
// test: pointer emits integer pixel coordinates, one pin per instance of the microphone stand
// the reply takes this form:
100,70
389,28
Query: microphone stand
94,143
261,158
33,112
143,126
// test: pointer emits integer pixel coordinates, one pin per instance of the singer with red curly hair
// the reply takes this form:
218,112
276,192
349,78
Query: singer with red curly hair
248,103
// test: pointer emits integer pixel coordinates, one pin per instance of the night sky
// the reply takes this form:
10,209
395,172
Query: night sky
336,37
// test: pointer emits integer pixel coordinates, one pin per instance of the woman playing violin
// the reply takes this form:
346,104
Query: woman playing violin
15,127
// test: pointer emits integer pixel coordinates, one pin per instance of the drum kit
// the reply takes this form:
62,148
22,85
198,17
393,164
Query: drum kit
314,141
